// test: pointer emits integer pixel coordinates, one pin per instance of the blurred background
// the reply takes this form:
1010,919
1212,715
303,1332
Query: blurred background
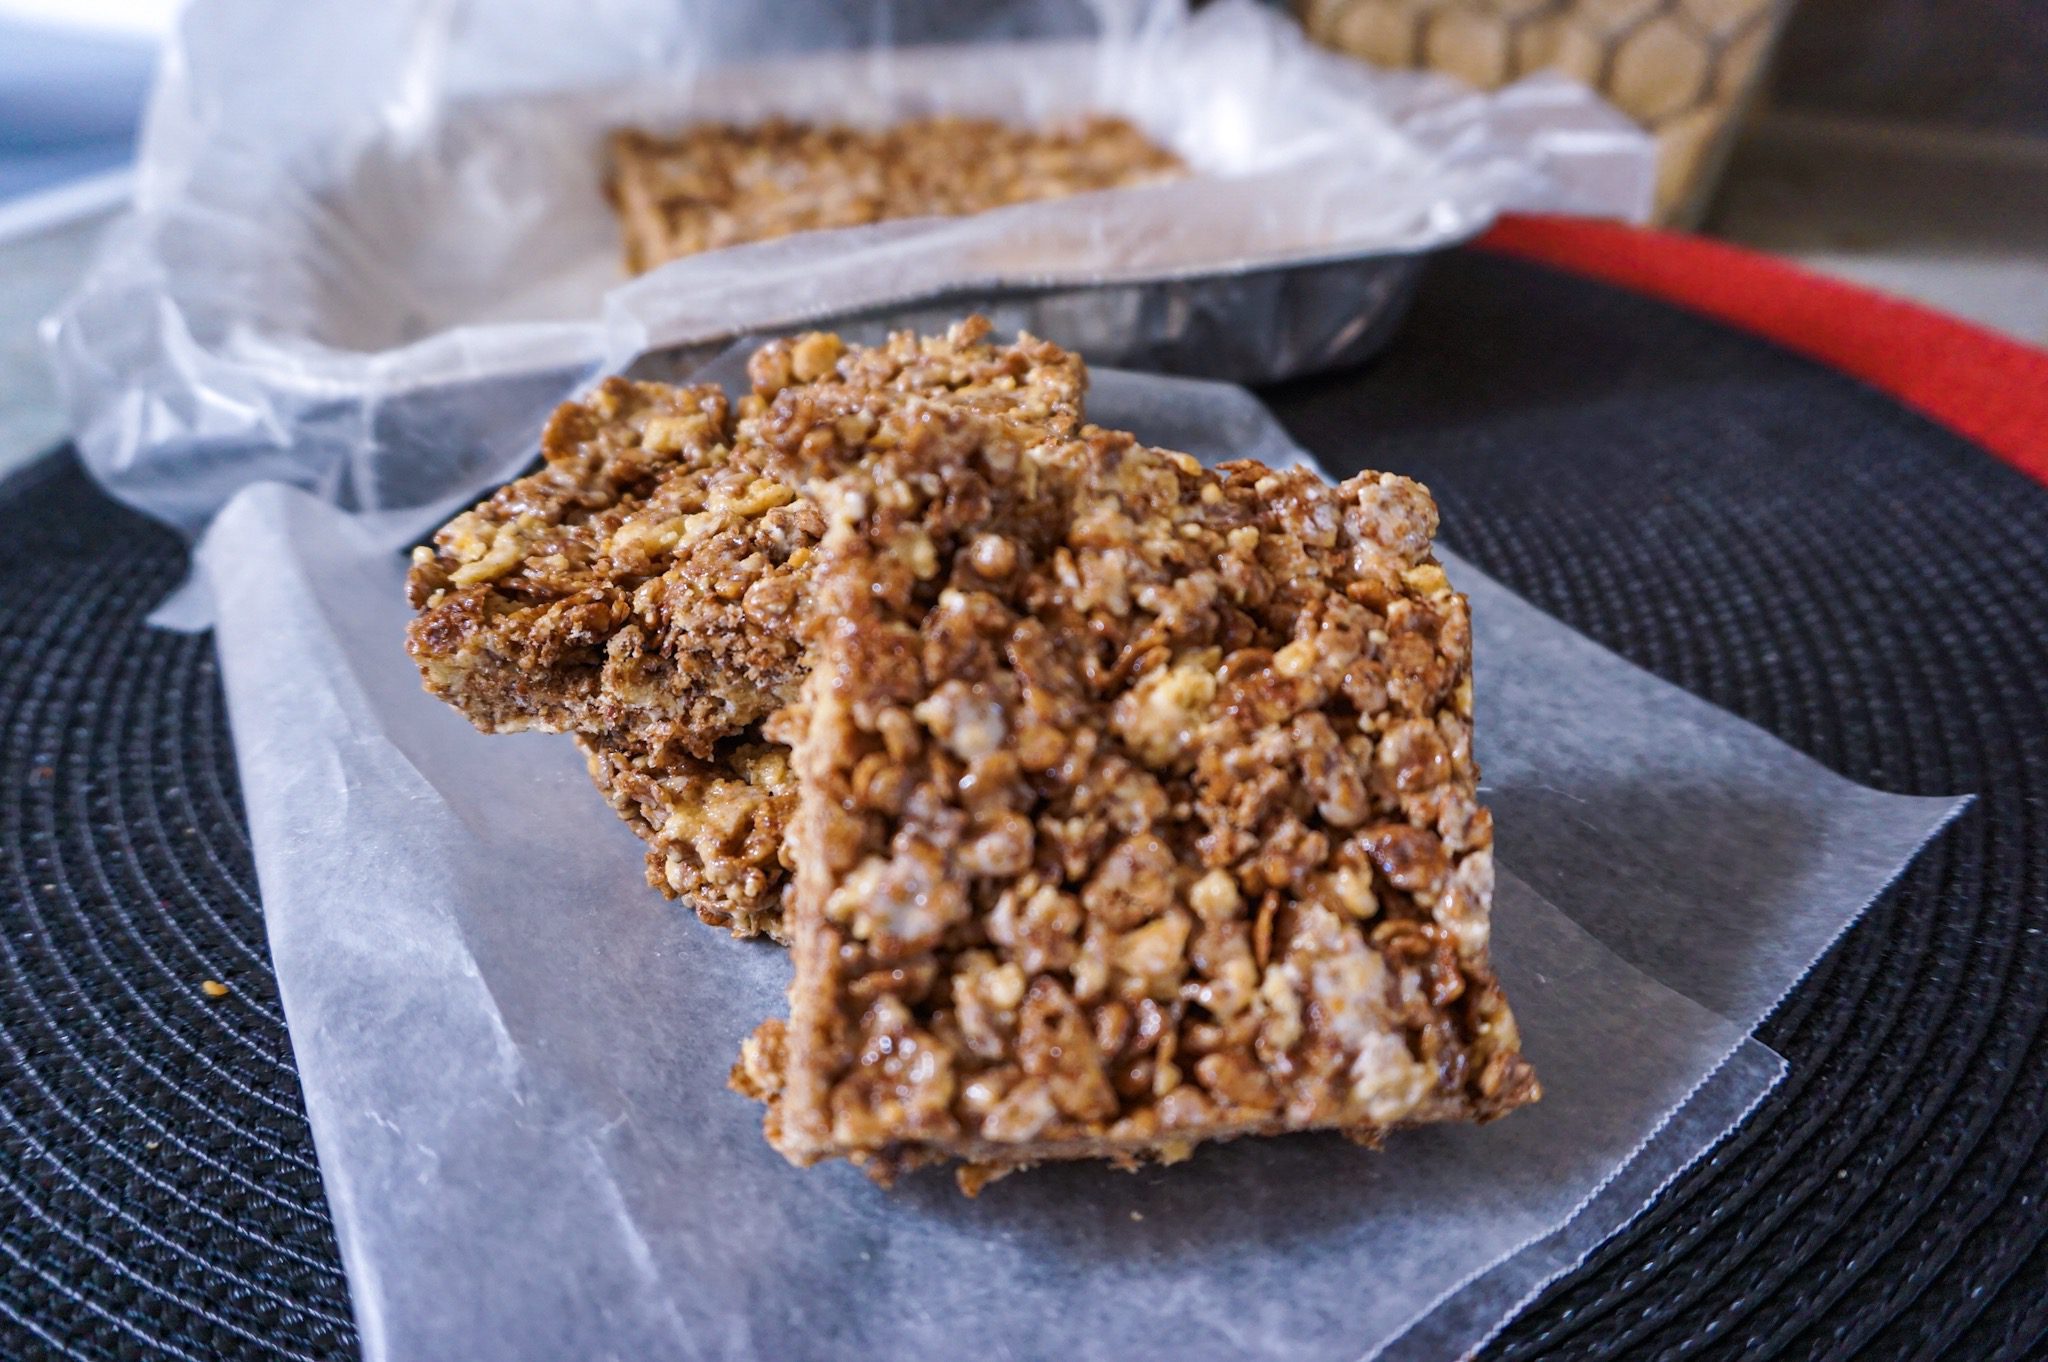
1902,143
1899,143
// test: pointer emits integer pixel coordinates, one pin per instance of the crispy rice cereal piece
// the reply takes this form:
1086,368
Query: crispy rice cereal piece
1136,808
714,829
716,185
644,582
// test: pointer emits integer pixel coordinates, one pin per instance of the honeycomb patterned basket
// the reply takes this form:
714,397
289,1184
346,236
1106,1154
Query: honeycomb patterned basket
1684,69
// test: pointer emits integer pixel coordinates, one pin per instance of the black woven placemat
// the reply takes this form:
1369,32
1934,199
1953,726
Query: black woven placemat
1774,537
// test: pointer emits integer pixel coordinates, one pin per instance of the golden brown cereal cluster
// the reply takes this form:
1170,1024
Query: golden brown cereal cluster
642,588
715,829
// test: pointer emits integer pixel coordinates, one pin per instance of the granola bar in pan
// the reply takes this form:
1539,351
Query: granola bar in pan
714,827
715,184
1136,808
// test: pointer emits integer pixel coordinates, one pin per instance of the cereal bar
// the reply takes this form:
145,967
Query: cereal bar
1136,808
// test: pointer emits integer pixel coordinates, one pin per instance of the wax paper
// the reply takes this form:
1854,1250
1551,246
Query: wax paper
371,247
514,1052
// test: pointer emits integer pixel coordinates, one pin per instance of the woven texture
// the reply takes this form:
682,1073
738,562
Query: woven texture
1649,477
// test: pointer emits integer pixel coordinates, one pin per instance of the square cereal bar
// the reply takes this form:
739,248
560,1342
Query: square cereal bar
1136,808
645,580
714,184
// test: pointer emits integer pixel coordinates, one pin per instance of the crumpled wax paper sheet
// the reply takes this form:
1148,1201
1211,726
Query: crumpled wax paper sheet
514,1052
371,249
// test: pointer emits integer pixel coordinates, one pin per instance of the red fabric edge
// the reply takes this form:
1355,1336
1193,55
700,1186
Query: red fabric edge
1982,385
